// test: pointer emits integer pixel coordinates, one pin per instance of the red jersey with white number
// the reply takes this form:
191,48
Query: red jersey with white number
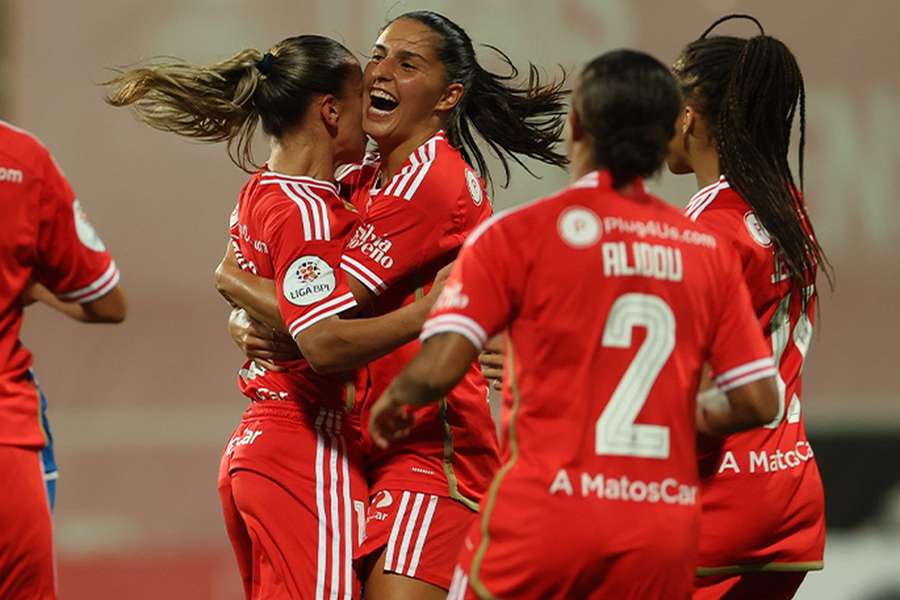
775,462
45,236
613,304
292,230
412,225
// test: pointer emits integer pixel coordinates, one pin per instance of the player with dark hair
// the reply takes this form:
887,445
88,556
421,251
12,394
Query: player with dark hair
45,237
741,98
291,481
426,98
613,302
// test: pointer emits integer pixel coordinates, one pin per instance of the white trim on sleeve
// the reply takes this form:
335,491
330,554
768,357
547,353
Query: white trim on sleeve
455,323
322,311
746,373
99,288
363,273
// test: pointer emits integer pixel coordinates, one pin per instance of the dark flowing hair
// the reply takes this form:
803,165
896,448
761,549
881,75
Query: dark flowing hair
512,120
225,101
750,90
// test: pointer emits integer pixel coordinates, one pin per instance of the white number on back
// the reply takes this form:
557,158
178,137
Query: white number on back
617,433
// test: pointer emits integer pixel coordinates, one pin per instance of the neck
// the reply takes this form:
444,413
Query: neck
581,162
706,166
302,154
393,157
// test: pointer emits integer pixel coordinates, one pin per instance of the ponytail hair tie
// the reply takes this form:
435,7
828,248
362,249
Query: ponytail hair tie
264,65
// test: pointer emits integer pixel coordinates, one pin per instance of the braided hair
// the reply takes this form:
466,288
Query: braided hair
750,90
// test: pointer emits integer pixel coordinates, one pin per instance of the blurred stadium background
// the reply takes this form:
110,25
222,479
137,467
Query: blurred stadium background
140,412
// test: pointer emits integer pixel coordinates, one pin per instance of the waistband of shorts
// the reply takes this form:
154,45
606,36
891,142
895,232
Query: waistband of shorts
321,418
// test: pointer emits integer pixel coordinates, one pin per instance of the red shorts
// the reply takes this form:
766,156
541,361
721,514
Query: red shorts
293,495
545,549
26,530
420,533
748,586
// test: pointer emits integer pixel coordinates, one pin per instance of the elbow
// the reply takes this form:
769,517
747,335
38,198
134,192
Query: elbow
112,308
221,279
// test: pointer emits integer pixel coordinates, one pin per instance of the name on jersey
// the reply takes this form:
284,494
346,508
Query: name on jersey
624,489
11,175
640,259
372,245
767,462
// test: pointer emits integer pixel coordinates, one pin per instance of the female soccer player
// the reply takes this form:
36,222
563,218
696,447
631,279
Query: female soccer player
613,302
741,96
425,97
45,237
291,478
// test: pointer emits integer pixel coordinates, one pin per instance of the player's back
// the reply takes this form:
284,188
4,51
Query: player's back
615,322
292,230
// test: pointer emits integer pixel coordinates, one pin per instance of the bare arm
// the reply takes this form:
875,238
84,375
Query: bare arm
333,344
492,358
110,308
435,370
744,407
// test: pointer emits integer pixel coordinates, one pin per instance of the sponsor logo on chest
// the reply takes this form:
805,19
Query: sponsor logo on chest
372,245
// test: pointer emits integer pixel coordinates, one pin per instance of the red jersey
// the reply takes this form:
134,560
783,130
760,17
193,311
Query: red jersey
613,304
45,236
292,230
412,226
775,462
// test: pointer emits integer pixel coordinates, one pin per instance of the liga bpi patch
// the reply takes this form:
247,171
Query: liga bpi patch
86,232
308,280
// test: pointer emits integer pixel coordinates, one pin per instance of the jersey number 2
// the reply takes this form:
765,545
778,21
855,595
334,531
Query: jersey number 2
617,433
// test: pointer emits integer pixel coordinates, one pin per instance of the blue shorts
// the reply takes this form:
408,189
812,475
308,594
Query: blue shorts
48,460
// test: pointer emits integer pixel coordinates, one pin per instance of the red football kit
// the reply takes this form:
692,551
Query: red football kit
613,304
424,492
45,236
291,481
787,531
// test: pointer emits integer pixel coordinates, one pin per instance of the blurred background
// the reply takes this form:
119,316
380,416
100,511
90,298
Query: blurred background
141,412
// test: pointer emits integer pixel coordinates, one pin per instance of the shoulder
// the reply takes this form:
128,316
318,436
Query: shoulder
282,201
435,174
22,151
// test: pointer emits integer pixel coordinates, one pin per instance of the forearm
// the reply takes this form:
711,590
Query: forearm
720,415
344,344
435,371
256,295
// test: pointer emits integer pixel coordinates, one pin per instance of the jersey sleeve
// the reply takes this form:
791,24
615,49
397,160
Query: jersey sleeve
482,294
72,260
308,279
398,236
739,354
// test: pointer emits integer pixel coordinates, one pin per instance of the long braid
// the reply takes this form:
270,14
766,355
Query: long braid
750,91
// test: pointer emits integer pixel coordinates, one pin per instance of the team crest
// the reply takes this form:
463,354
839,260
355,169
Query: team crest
756,230
474,188
308,280
86,232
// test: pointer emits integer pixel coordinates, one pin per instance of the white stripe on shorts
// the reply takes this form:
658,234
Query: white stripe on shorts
423,535
407,534
320,507
395,530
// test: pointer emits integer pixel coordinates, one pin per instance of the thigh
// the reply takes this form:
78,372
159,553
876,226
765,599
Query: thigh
26,541
414,535
291,492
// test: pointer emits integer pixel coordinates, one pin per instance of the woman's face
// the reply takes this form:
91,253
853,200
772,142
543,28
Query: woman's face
350,143
403,83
